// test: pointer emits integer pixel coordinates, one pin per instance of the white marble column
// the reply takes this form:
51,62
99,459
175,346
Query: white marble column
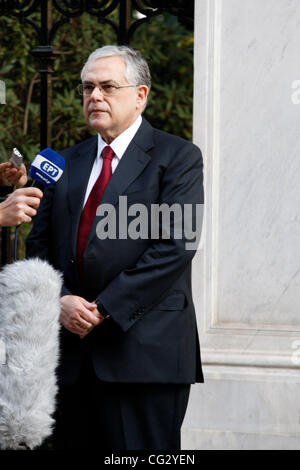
247,273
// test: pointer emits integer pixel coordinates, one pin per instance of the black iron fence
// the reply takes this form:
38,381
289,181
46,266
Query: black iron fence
46,29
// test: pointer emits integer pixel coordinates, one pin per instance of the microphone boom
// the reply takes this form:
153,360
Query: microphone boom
29,328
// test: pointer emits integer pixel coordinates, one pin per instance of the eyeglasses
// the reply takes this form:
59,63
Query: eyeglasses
86,89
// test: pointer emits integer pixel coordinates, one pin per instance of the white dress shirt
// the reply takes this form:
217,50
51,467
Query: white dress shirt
119,146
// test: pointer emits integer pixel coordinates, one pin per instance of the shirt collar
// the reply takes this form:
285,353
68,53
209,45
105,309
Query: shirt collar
120,143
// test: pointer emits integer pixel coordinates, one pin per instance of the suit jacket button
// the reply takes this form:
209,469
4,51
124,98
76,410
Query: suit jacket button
71,261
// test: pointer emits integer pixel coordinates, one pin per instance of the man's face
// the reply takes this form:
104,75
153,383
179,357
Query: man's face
111,115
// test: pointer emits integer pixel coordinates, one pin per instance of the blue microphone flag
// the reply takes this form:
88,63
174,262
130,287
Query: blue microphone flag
47,167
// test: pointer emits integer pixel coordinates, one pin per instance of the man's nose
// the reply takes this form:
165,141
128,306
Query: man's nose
97,93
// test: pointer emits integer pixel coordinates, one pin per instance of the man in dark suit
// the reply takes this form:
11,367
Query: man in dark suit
129,343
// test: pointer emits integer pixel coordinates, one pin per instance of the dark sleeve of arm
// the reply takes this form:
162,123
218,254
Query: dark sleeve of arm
139,288
38,243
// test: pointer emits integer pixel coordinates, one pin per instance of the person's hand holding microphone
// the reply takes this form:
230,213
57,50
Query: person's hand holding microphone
21,205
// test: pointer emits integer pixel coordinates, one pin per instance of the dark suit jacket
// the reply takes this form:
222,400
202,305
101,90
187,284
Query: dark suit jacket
144,284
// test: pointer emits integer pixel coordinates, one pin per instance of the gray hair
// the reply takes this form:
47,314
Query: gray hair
137,70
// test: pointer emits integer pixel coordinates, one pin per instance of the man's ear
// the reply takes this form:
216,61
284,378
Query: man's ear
142,92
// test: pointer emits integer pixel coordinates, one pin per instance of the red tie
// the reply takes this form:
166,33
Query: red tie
95,196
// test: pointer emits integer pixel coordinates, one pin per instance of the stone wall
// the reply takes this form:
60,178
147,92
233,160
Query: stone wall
247,271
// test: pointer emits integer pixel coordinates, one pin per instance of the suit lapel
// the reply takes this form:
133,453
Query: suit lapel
79,172
132,163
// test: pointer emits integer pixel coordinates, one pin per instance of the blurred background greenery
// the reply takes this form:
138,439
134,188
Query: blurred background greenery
165,43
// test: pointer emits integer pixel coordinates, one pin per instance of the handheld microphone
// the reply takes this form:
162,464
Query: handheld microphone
46,168
16,158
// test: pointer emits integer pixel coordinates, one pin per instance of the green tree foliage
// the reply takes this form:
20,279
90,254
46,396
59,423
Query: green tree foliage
168,47
165,43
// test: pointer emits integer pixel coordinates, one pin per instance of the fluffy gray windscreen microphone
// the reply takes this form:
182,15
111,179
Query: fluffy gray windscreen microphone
29,330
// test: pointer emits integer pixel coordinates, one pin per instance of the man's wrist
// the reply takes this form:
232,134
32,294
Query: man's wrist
102,310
